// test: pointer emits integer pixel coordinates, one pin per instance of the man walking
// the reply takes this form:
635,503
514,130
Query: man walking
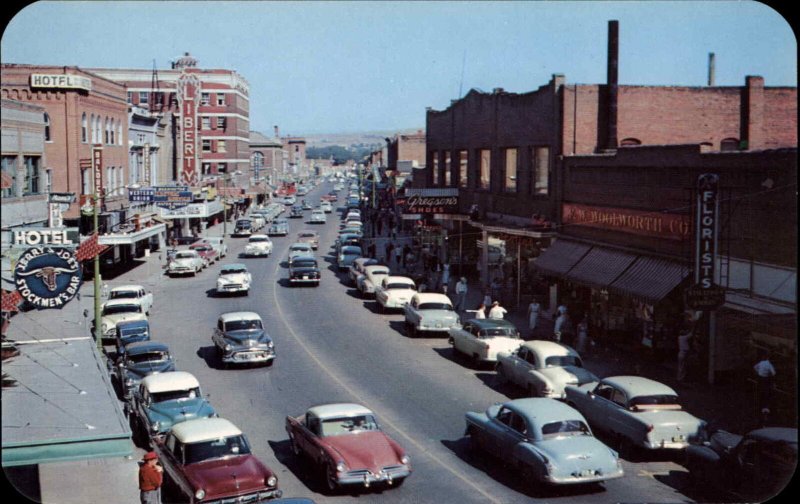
150,479
684,347
461,294
765,373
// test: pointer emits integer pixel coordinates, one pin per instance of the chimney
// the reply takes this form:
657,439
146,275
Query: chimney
277,132
612,84
711,68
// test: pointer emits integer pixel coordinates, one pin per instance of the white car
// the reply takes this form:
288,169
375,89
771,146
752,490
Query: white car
258,221
258,246
372,276
394,292
234,278
430,312
136,292
358,267
218,243
353,213
300,248
326,207
543,368
482,339
318,217
116,311
289,200
185,262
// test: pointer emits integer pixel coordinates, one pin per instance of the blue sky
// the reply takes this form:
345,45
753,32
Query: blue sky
327,67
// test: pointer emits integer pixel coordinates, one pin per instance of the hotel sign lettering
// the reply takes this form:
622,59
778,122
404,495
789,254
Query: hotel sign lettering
654,224
61,81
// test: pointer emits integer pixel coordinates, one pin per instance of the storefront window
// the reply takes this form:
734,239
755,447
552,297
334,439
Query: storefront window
511,170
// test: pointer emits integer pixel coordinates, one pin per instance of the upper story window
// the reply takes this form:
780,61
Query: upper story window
222,167
448,168
9,176
220,99
111,131
130,97
119,133
206,123
47,128
729,144
143,97
540,169
462,168
31,174
84,129
221,123
435,168
108,131
205,98
206,145
510,184
485,160
221,147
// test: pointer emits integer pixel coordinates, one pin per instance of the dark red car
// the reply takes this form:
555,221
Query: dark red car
347,444
206,251
209,460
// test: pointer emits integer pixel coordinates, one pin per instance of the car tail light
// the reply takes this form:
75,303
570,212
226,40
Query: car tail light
650,428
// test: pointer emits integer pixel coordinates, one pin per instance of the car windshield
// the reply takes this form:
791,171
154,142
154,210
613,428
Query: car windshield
217,448
232,270
243,223
379,272
124,294
185,255
435,306
125,308
565,428
654,400
347,425
176,395
499,331
155,356
300,247
259,239
563,360
399,286
307,235
202,249
239,325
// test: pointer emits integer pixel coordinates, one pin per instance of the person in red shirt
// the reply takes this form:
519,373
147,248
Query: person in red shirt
150,479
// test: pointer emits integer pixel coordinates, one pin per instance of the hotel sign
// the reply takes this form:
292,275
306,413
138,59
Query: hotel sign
188,93
61,81
654,224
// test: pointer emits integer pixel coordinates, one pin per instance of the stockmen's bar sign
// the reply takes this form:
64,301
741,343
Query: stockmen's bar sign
433,201
62,81
705,294
97,173
657,225
48,277
188,91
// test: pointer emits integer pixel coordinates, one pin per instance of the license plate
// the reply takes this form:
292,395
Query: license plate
677,439
305,277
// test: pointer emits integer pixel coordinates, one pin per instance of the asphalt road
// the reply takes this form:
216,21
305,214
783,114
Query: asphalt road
333,346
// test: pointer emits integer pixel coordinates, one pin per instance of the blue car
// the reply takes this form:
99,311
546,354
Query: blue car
131,332
141,359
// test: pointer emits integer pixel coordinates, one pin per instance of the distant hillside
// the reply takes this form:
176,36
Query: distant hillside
367,140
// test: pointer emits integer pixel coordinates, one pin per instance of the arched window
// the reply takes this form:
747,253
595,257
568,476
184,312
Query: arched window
630,141
107,130
47,128
119,133
729,144
94,129
112,130
84,129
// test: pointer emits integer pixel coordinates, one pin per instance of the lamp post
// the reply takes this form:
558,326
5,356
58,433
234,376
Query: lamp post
97,166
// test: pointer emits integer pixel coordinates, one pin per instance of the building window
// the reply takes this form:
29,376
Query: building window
510,184
31,174
105,125
159,98
9,176
435,169
47,128
206,145
143,97
220,99
541,169
448,167
48,179
110,180
462,168
119,133
222,168
86,181
94,133
130,97
221,123
205,99
111,131
206,123
627,142
84,129
485,160
206,168
729,144
221,146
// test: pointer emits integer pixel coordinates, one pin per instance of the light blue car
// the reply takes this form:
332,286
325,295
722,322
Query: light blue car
347,254
548,441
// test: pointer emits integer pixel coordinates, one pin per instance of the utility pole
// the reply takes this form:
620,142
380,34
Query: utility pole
97,162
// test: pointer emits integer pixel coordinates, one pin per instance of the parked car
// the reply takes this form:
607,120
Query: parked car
371,277
637,413
138,360
304,270
218,242
234,278
349,232
347,254
353,202
296,211
430,312
548,441
185,262
116,311
543,368
163,400
482,339
394,292
300,248
346,443
346,240
201,456
309,236
258,245
358,268
206,252
243,227
754,467
131,331
133,292
240,338
279,227
318,217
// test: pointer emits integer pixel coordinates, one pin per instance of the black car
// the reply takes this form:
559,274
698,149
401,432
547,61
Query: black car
244,227
297,211
304,270
756,466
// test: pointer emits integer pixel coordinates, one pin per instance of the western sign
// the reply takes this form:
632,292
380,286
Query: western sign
48,277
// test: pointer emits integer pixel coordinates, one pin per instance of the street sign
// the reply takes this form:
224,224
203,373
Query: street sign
699,297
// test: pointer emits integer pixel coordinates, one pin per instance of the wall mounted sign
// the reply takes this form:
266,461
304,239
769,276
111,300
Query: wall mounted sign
188,93
36,237
705,294
655,224
48,277
61,81
434,201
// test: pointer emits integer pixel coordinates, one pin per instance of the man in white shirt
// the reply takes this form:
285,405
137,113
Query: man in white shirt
461,294
765,372
497,311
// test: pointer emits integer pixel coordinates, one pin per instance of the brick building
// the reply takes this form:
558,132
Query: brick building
266,157
406,148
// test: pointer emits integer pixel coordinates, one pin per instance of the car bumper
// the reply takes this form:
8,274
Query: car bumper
247,498
675,443
257,253
583,477
367,478
395,303
233,288
180,271
442,328
304,280
249,356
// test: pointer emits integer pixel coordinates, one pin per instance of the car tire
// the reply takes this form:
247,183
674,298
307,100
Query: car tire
474,442
476,361
330,479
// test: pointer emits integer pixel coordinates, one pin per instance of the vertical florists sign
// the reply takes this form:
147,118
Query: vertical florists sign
705,294
188,97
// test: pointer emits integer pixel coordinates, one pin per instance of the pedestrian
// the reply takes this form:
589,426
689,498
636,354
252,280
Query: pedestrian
480,312
406,252
533,315
461,294
445,278
150,479
388,248
583,334
497,311
410,260
398,255
684,346
560,326
765,374
487,298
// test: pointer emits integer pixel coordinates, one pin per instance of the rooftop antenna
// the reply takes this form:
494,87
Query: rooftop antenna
154,89
463,63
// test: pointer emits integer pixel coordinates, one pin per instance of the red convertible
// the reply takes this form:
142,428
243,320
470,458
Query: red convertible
347,444
209,459
206,252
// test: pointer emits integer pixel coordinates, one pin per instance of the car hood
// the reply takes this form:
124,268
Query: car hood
179,411
232,278
364,450
141,369
229,476
575,453
116,318
239,337
568,375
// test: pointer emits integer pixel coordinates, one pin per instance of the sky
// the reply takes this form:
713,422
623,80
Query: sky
333,67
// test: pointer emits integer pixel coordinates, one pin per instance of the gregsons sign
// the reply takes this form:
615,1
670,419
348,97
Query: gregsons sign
422,204
48,277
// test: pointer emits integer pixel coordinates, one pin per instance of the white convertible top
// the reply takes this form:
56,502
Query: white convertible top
546,348
204,429
338,410
399,279
166,382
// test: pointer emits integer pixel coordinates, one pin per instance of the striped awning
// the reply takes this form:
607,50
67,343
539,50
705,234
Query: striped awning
600,267
560,257
650,279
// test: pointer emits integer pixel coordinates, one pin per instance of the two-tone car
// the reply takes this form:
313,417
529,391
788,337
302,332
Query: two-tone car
543,368
346,444
372,276
300,248
309,236
118,310
206,252
347,239
218,242
165,399
546,440
358,267
137,292
258,245
185,262
209,460
481,340
346,255
243,227
637,413
138,360
240,338
304,270
234,278
430,312
394,292
279,227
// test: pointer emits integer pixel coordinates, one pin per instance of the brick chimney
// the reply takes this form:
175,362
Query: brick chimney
711,69
612,84
753,125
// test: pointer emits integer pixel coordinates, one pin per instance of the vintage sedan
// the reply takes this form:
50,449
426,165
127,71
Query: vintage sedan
234,278
289,200
345,239
279,227
133,292
309,236
372,276
394,292
300,248
296,212
258,245
185,262
138,360
239,338
209,460
318,217
430,312
347,254
116,311
206,252
258,221
218,242
305,205
243,227
346,443
543,368
326,207
547,440
482,339
637,413
358,267
754,467
131,331
165,399
304,270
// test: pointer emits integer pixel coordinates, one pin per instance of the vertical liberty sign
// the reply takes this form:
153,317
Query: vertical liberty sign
188,87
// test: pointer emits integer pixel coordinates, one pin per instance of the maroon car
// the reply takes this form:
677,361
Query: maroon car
209,459
206,251
347,444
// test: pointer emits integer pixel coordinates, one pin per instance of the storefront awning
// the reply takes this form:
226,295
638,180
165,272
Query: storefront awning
560,257
650,279
131,237
600,267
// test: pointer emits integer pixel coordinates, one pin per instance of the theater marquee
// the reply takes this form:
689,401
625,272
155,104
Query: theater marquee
655,224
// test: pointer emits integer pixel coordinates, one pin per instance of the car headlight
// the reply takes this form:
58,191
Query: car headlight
341,466
105,327
405,459
199,494
227,348
341,258
155,426
129,382
272,481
